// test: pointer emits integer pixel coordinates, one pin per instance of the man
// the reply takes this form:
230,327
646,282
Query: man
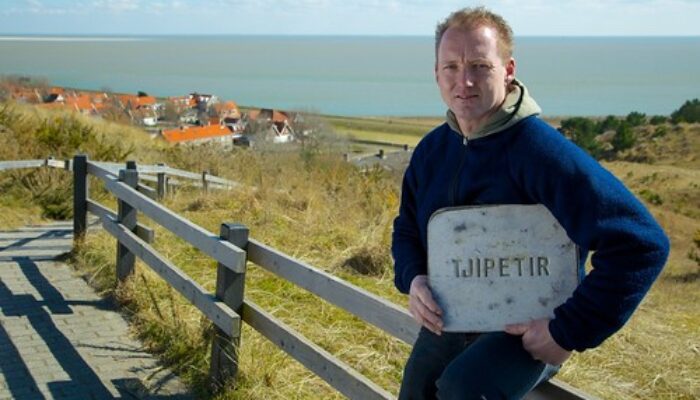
494,150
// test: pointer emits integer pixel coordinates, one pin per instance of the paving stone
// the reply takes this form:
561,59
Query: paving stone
51,347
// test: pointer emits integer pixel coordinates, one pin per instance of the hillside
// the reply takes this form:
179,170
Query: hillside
313,206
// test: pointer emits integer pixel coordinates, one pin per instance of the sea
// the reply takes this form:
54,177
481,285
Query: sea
362,75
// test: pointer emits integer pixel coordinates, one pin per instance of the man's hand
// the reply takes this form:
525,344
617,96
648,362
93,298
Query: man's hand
422,306
539,342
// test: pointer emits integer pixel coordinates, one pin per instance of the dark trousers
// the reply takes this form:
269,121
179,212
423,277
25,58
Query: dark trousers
470,366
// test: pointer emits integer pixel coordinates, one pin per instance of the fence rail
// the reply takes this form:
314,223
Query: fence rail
20,164
232,249
368,307
161,174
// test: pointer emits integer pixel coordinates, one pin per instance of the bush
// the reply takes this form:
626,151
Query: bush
610,123
694,253
582,131
624,137
660,131
636,118
651,197
658,120
689,112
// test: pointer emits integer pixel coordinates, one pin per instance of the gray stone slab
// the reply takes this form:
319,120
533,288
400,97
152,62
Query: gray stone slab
489,266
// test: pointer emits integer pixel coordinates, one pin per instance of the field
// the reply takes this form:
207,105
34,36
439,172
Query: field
315,207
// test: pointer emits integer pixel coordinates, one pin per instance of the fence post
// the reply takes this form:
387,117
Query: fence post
162,184
80,196
229,289
127,217
205,184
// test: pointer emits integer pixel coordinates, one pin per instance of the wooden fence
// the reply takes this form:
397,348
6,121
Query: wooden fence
233,249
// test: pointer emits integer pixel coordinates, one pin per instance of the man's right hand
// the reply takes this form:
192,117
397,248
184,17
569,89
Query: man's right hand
422,305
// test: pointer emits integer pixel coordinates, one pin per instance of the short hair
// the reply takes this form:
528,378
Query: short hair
469,18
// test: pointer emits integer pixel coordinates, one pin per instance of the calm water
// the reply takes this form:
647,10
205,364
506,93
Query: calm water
364,75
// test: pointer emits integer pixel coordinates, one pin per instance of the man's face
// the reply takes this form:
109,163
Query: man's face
471,74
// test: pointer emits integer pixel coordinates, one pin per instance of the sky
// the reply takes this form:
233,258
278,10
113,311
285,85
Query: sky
342,17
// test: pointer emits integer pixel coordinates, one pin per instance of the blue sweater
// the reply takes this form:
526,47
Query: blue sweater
531,163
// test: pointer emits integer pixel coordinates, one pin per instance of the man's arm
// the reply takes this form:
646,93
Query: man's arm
410,257
600,215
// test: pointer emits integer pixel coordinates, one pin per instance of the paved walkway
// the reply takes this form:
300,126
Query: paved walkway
58,338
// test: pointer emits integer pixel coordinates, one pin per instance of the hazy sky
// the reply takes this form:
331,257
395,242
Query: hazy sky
354,17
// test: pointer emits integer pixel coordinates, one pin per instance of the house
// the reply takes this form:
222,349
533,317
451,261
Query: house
275,124
145,116
55,94
133,102
203,99
229,114
83,102
199,134
182,103
24,94
190,116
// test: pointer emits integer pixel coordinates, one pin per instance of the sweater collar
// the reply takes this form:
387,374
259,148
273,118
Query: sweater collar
517,106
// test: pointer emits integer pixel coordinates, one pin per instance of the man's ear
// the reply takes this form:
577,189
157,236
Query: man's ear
510,70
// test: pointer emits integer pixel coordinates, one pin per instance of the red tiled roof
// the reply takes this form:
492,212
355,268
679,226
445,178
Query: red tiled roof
195,133
227,109
134,101
277,116
26,94
145,100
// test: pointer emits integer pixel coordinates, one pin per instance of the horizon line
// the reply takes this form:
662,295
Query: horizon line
142,35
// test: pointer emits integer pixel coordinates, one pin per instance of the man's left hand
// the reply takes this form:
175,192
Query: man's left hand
539,342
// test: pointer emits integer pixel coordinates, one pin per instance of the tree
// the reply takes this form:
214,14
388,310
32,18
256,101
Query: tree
689,112
658,120
624,137
170,112
582,131
610,123
636,118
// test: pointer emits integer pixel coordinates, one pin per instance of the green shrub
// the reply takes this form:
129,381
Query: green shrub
689,112
582,131
651,197
624,137
658,120
636,118
660,131
610,123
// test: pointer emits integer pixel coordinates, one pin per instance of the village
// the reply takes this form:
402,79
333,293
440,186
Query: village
194,118
198,118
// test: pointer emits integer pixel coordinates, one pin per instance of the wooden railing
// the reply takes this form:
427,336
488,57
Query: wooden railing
164,177
227,306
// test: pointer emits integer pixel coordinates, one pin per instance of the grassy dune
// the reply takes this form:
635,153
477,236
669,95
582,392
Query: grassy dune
317,208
